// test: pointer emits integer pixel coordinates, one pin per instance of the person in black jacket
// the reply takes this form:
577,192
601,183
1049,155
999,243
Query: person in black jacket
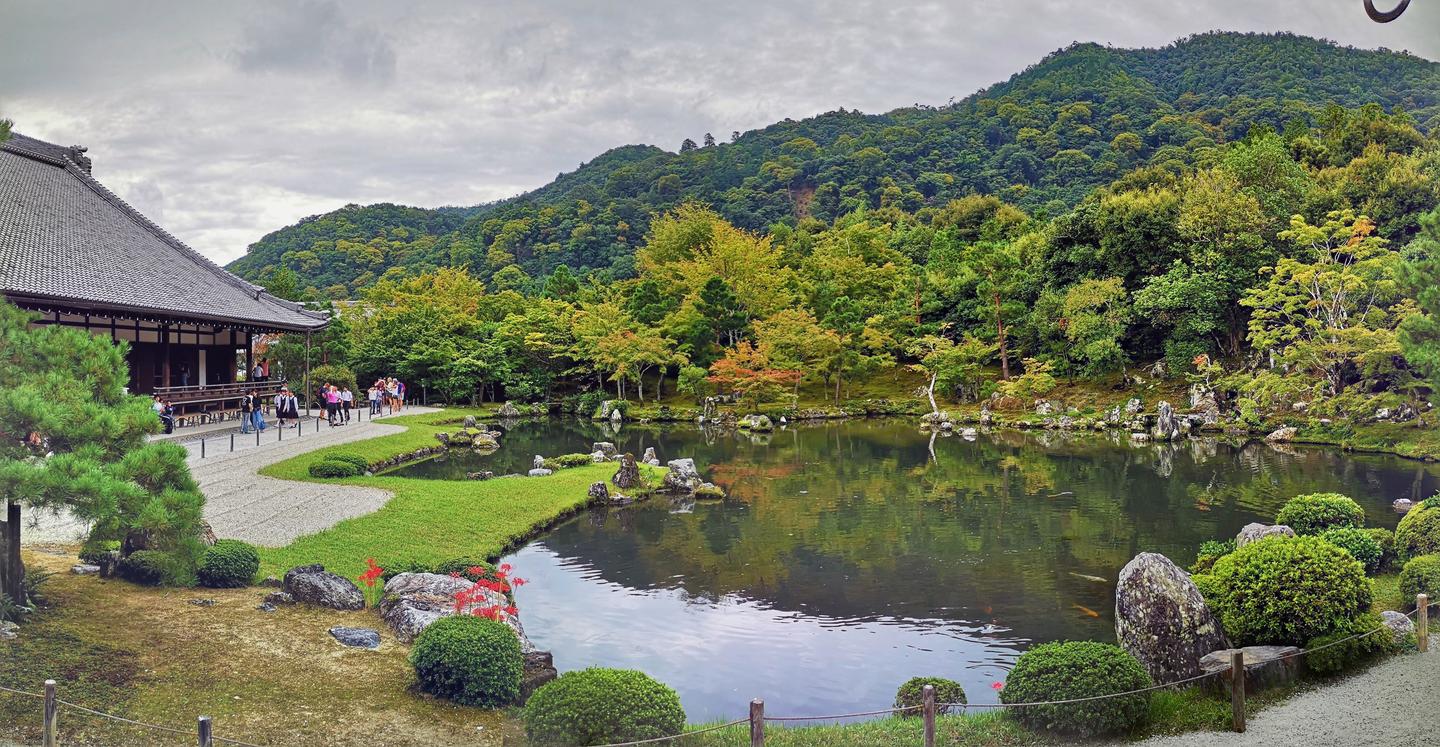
247,409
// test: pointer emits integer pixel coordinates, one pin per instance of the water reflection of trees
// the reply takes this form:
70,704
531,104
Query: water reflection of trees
855,520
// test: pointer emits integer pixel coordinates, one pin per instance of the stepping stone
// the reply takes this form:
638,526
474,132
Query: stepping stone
84,569
357,637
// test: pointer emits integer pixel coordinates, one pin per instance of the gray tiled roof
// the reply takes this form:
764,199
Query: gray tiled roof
65,237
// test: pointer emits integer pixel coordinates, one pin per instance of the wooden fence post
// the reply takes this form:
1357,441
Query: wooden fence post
928,698
1422,622
1237,691
757,723
204,731
52,714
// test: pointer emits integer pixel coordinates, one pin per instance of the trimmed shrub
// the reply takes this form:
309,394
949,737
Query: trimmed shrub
912,694
1286,590
147,567
360,462
600,706
1420,576
565,461
1078,669
1386,539
328,468
228,564
1327,656
1419,531
470,660
1359,543
1211,551
94,551
1313,513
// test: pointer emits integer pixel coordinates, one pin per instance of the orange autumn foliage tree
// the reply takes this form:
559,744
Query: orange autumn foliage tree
746,370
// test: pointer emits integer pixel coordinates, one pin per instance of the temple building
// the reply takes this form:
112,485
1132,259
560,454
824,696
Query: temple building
80,256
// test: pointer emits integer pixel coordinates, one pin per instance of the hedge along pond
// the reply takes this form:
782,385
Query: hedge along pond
851,556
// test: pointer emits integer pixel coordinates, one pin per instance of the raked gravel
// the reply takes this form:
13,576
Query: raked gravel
241,504
1395,702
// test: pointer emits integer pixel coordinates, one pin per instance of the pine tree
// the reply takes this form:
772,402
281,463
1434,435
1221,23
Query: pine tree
1420,332
72,439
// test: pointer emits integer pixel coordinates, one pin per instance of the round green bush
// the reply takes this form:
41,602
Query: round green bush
600,706
1366,634
1386,539
1313,513
1211,551
360,462
566,461
147,567
1078,669
1359,543
228,564
94,551
332,468
1286,590
470,660
1419,531
912,694
1420,576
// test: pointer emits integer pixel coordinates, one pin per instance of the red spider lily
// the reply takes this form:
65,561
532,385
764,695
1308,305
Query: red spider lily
478,598
997,685
371,574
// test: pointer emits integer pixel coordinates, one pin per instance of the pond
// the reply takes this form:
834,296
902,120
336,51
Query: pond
851,556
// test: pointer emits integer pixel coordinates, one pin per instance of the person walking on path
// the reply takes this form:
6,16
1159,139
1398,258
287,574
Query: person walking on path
373,395
287,407
247,409
257,412
332,405
347,401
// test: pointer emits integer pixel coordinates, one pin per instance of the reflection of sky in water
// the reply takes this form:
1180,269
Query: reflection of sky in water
719,654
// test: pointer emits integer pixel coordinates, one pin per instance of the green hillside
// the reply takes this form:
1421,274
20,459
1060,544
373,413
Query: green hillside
1081,118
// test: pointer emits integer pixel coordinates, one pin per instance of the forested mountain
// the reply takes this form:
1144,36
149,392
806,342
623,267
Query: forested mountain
1042,141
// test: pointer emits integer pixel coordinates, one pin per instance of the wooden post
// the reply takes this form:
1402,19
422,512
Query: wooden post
928,698
757,723
1237,691
202,448
204,731
1422,622
52,714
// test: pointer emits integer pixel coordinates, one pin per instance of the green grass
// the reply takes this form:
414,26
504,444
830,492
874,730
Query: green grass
431,521
979,730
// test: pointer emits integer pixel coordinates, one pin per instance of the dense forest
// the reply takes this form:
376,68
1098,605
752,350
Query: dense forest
1257,213
1041,141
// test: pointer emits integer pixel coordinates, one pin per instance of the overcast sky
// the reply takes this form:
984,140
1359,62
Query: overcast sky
226,120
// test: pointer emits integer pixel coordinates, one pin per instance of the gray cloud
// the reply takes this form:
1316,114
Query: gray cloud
229,120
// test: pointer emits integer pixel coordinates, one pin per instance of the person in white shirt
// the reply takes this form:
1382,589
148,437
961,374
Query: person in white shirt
347,400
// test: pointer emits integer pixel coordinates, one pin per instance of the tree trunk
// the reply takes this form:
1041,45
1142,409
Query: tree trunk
930,392
12,570
1000,333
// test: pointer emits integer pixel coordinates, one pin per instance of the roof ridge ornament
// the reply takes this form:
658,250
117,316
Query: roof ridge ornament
1386,16
76,154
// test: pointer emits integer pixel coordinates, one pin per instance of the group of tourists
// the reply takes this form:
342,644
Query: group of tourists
338,403
252,413
166,412
387,392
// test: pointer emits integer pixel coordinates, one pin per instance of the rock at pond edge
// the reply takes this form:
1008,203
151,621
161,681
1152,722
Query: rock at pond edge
1161,618
312,584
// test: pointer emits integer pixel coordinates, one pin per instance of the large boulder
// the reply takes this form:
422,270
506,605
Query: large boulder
539,669
1256,531
1167,428
628,476
756,423
682,477
599,493
1400,625
1282,435
356,637
1266,667
1044,407
1162,620
485,441
603,447
469,421
508,410
650,458
412,601
312,584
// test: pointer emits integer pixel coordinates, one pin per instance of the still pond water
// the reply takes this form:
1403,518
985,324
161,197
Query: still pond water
852,556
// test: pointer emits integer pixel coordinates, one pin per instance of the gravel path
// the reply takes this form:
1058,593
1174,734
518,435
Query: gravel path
241,504
1394,702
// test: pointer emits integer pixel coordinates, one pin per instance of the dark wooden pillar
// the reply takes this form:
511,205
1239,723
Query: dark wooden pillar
165,355
249,354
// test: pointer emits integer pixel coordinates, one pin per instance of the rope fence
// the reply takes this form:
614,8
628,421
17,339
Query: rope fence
929,708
